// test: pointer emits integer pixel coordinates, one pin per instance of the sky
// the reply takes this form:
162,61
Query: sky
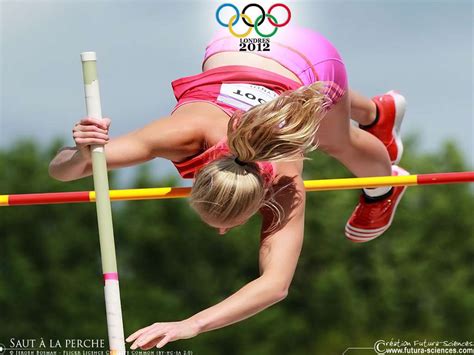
423,49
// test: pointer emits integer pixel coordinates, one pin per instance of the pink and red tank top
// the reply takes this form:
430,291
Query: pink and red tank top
230,88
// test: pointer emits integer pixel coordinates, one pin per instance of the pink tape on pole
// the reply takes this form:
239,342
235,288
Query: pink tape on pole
111,276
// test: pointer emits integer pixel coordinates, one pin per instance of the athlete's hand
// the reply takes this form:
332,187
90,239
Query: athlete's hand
91,131
159,334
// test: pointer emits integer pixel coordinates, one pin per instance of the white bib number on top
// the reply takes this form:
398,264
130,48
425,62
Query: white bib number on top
245,96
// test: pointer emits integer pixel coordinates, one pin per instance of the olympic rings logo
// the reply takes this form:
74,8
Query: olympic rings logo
248,21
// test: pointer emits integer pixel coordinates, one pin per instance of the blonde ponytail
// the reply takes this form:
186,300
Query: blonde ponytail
227,192
280,129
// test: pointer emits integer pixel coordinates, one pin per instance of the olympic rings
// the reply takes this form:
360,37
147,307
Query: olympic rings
219,10
231,29
248,21
270,17
287,10
257,22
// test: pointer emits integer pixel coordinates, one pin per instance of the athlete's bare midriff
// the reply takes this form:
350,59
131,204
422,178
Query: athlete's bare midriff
249,59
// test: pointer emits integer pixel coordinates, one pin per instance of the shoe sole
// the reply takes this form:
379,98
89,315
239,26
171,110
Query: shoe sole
358,237
400,108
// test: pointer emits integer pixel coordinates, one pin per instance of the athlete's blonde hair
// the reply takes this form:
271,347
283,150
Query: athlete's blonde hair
227,192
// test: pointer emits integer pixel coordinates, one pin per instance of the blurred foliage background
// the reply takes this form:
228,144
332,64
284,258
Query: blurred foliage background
414,282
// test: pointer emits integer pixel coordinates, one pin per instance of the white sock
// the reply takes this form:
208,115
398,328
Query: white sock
377,191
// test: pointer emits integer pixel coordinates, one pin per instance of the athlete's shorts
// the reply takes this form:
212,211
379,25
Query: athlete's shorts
304,52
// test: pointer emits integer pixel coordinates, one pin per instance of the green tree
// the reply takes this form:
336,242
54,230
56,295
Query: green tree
414,282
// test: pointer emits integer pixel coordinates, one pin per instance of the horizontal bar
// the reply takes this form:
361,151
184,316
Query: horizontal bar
445,178
180,192
359,183
49,198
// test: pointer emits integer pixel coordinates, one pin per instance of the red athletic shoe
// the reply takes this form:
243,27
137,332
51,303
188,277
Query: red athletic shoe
370,219
391,108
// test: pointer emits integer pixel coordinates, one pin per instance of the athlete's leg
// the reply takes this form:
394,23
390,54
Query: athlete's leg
363,109
362,153
382,117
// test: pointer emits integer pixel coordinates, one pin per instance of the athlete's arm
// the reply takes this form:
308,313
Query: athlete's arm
173,138
279,253
278,257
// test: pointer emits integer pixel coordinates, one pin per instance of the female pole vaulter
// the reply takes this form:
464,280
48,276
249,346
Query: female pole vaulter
240,129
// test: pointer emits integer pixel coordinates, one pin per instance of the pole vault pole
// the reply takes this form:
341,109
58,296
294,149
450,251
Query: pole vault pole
104,212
